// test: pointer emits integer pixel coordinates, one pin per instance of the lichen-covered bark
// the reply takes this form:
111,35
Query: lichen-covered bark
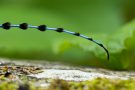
23,75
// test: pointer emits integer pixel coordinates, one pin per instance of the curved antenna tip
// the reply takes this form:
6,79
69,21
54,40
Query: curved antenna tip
107,52
108,56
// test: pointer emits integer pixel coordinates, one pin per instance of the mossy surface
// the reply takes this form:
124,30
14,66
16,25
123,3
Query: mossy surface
15,76
96,84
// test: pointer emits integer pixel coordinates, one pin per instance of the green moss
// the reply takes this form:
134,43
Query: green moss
8,86
96,84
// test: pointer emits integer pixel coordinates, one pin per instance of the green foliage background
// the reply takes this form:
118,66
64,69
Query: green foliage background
104,20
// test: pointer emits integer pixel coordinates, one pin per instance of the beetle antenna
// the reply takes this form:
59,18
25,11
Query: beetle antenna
24,26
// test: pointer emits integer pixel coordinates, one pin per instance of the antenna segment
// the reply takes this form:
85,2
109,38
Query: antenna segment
25,26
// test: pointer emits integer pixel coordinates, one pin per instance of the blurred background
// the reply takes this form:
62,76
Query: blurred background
89,17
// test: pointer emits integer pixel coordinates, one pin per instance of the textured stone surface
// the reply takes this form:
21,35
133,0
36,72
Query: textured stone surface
45,71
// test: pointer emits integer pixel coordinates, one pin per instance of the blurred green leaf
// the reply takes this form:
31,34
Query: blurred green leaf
120,45
84,16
